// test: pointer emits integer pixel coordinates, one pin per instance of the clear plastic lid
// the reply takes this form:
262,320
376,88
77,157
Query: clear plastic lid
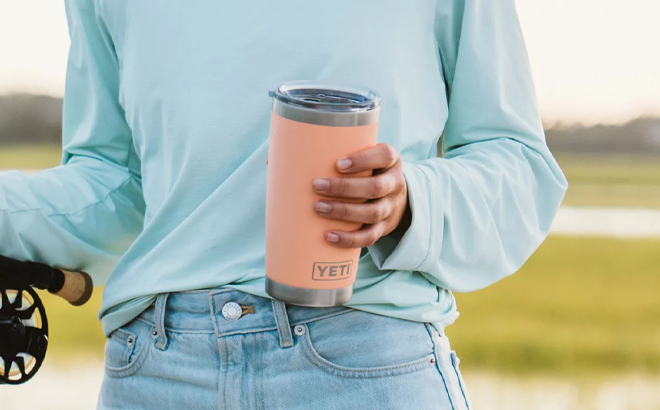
326,96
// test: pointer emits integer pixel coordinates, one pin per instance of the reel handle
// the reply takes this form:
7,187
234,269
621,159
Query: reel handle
77,288
74,287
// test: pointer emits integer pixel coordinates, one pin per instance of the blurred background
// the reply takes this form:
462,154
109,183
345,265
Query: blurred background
578,327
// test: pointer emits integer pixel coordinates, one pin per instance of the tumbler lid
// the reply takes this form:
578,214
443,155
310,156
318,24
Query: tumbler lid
326,96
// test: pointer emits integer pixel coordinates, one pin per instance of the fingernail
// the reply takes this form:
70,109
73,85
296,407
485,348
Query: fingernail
331,237
322,207
321,184
344,163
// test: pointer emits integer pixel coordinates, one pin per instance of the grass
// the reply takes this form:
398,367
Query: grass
29,156
74,331
612,181
578,305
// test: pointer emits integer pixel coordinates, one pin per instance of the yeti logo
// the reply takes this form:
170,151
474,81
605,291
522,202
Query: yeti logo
332,270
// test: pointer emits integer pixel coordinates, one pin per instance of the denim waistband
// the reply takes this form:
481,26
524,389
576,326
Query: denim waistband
200,311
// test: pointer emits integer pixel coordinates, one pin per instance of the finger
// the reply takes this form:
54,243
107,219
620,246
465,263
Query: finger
362,238
369,213
381,156
374,187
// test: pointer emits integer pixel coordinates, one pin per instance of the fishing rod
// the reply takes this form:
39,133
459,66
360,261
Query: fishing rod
23,321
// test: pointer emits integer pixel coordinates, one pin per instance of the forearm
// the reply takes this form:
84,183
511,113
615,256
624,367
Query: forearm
81,216
483,211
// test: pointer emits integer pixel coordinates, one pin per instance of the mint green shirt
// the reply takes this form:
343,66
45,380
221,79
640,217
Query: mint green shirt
166,119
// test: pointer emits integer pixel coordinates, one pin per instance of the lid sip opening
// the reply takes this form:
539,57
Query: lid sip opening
326,96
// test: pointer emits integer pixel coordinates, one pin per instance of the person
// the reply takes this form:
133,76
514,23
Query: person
161,195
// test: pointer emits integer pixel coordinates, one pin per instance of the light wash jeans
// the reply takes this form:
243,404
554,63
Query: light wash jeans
182,353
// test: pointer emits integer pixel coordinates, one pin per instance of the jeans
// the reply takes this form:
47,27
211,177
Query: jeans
184,352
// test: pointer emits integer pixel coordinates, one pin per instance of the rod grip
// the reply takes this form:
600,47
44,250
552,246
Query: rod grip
77,289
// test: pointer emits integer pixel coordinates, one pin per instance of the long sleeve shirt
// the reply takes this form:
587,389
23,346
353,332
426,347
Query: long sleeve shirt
165,137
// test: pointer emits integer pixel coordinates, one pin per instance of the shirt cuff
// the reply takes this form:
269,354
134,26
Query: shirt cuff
409,251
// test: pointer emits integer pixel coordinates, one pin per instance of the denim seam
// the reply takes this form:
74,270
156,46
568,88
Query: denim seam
261,372
222,382
247,331
360,373
256,372
133,367
213,313
118,331
460,383
283,325
159,319
175,330
437,366
327,316
122,336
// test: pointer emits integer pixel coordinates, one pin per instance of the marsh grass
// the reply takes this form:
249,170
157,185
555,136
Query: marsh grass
29,156
578,305
616,181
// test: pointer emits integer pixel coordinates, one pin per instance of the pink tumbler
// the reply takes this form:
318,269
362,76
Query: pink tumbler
313,124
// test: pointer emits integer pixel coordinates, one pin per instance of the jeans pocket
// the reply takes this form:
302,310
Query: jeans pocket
126,349
363,345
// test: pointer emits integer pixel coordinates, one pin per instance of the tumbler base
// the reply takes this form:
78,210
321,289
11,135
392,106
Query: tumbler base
308,297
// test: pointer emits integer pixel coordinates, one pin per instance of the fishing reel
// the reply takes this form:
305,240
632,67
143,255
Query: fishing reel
23,320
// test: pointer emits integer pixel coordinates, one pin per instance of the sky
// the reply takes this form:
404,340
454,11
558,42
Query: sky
593,60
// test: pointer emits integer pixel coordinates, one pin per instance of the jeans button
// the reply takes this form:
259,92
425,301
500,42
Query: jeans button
232,311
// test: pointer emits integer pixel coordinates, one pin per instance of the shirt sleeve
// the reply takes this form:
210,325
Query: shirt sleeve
84,214
483,209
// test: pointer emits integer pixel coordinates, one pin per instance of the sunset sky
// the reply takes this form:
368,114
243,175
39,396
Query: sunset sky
593,60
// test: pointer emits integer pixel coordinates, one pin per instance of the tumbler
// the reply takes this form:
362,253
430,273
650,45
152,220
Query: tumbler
313,124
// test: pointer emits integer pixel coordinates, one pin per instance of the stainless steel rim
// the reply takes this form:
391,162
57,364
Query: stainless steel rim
331,119
308,297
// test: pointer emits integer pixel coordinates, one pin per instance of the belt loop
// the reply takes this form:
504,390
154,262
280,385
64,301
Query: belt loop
159,320
439,337
283,326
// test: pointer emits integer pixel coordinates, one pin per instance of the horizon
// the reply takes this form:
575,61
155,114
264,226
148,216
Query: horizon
616,78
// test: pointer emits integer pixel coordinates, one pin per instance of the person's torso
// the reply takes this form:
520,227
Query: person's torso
194,85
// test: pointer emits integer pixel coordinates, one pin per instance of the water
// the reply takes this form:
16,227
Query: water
76,387
613,222
626,392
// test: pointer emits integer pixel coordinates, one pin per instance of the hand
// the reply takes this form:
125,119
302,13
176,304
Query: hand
386,193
